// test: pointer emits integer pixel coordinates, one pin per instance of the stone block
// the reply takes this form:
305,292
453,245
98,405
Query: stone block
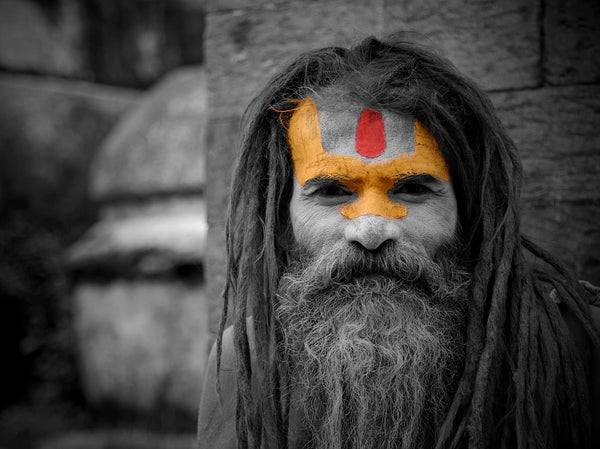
244,48
45,37
143,344
50,131
135,42
495,43
159,146
572,41
570,232
555,130
151,237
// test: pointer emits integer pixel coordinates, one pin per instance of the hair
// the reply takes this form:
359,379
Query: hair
523,383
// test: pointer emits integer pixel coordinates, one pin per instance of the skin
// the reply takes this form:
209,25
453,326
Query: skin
324,193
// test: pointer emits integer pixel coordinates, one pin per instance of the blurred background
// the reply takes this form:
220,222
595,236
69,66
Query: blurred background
118,128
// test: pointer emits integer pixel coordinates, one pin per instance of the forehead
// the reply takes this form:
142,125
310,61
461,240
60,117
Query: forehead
372,135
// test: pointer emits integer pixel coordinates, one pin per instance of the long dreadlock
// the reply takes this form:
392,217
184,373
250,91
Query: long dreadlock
523,383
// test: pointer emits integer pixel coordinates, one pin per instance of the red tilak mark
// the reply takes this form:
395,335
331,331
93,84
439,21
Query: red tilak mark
370,134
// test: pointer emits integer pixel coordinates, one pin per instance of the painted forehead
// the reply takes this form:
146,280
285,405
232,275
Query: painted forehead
364,150
349,141
349,129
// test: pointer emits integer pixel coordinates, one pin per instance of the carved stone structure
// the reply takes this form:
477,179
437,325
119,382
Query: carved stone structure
140,310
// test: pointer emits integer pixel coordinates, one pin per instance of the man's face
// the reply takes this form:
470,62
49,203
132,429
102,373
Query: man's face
367,177
371,309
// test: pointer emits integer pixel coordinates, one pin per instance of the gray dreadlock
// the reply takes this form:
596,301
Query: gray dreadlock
523,383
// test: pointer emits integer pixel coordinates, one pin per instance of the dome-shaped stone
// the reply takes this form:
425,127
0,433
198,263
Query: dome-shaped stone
158,147
140,288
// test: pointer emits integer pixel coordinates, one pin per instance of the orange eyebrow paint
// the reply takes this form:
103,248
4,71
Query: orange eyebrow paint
372,181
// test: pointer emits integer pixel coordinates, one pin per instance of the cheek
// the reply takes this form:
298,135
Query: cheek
433,225
303,221
312,228
315,226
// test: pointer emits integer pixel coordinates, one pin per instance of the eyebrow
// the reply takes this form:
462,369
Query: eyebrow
420,177
323,179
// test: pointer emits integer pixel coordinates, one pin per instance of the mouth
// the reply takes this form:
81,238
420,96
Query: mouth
372,276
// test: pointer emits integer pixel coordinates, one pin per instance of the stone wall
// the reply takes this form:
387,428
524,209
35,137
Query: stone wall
117,42
538,60
69,71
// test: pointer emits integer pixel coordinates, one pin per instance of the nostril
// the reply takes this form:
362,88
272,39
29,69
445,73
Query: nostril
368,240
389,243
370,231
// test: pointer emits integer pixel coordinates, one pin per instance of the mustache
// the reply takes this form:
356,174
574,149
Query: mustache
345,263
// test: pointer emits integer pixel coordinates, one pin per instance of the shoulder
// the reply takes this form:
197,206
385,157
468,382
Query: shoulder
595,377
582,339
216,417
593,351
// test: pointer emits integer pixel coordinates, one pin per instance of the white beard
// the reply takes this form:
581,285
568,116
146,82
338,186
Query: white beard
375,360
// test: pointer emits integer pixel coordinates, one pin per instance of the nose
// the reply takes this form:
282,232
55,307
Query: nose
371,231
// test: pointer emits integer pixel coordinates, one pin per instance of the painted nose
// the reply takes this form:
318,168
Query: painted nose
371,231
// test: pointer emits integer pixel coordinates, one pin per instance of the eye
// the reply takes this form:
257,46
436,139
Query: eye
329,193
410,188
333,190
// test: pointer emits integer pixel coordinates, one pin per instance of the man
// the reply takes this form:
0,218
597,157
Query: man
383,294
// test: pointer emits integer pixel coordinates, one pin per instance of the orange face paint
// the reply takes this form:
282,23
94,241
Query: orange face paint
373,180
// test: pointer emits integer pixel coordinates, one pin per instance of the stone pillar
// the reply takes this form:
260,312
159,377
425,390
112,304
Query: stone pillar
140,305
